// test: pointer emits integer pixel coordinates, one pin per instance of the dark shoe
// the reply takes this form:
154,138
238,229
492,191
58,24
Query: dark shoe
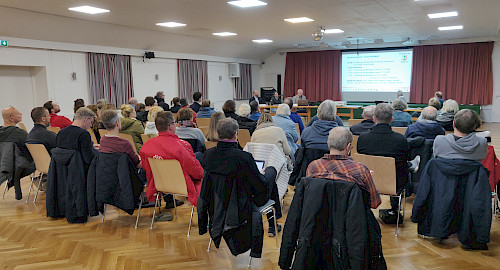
147,204
170,205
164,217
272,231
43,186
475,246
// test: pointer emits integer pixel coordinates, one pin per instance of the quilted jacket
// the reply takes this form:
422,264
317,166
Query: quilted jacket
13,166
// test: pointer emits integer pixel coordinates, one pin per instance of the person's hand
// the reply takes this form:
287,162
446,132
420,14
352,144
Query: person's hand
97,147
139,165
261,171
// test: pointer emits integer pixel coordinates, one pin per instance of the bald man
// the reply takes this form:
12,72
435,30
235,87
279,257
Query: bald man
9,132
426,126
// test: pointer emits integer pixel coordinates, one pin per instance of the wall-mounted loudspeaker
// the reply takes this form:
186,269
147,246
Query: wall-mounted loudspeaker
149,55
234,70
73,75
157,76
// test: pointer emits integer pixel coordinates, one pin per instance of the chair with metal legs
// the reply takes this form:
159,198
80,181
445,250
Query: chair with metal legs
169,179
42,163
138,212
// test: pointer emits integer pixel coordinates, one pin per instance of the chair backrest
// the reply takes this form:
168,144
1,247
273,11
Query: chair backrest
354,144
129,138
40,156
354,121
384,172
103,132
203,122
54,129
400,130
92,135
168,176
210,144
145,138
204,130
22,126
244,137
298,132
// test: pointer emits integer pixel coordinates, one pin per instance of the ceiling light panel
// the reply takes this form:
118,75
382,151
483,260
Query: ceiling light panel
247,3
224,34
443,15
454,27
299,20
89,9
264,40
171,24
333,31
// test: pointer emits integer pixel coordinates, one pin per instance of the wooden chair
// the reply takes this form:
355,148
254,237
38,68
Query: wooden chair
145,138
22,126
354,121
129,138
203,122
54,129
204,130
210,144
42,162
384,178
354,144
169,179
103,132
400,130
244,137
92,135
298,132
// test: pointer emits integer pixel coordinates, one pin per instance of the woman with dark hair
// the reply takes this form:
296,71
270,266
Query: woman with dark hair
229,109
176,105
78,104
95,124
140,107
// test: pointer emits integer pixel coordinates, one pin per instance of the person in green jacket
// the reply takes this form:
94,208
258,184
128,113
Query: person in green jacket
131,126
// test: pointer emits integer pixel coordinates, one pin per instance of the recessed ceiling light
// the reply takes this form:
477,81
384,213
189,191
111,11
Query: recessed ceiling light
262,40
333,31
247,3
299,20
443,14
455,27
89,9
224,34
171,24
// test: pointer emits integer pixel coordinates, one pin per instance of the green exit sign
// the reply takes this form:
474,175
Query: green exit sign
4,43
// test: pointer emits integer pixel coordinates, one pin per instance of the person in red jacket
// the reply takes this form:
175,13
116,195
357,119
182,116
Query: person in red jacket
56,120
168,146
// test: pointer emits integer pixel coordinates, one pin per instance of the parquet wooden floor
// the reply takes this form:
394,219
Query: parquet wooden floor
30,240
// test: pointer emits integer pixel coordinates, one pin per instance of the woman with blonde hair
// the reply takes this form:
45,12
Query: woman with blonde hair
267,132
445,119
95,124
212,129
150,124
130,125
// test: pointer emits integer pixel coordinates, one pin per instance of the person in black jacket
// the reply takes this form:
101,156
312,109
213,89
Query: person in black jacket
256,97
275,99
382,141
39,134
9,132
229,109
367,122
160,100
232,190
196,102
243,120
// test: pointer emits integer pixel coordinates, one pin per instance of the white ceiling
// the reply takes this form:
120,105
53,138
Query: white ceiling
131,23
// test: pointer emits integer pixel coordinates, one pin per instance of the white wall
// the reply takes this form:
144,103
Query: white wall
144,77
274,65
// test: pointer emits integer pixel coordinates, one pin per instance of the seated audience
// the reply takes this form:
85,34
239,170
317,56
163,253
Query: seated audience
130,125
106,107
243,120
132,101
275,99
9,132
463,143
205,110
339,166
283,121
176,105
140,107
254,111
101,102
150,124
230,163
39,134
434,102
267,132
439,96
78,104
401,118
143,116
400,96
255,97
229,109
293,115
197,102
96,122
316,135
299,96
111,143
445,119
168,146
382,141
367,122
212,128
184,104
160,100
56,120
186,128
426,126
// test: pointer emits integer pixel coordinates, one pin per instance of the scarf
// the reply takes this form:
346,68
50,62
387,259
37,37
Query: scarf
186,123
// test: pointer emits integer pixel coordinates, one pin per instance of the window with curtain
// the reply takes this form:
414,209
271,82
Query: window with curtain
193,77
243,84
110,78
463,72
316,72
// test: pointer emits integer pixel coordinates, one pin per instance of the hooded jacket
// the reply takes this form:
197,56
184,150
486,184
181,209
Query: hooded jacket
13,166
247,123
454,196
161,103
205,112
150,128
18,136
134,128
284,122
316,135
470,147
446,120
426,129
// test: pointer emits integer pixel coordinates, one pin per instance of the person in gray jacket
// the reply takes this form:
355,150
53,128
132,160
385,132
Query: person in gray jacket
463,143
316,135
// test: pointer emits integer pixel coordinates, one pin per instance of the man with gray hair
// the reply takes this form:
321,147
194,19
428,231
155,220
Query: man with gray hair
400,96
382,141
367,122
339,166
426,126
133,101
316,135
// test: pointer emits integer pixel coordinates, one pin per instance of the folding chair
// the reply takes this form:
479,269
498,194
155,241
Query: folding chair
42,163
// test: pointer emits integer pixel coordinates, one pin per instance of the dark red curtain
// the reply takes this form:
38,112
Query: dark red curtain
317,73
463,72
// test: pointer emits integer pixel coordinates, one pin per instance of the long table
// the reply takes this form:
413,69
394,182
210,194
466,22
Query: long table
350,109
306,114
